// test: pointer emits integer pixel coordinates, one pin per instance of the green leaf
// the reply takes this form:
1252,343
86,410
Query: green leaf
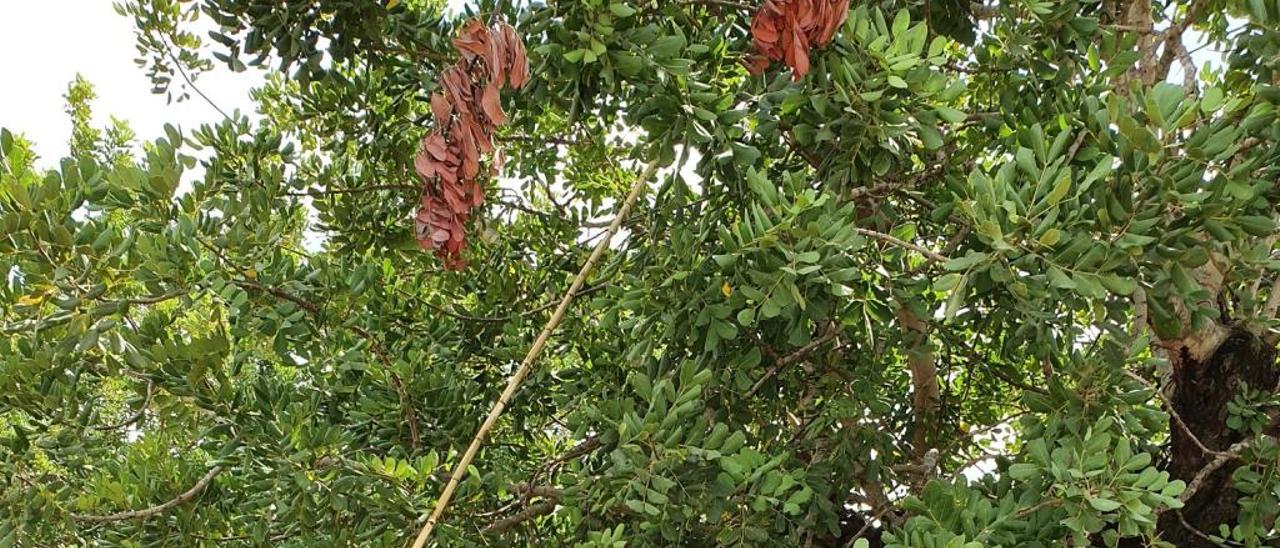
1050,237
1060,189
1211,100
901,21
966,262
1022,471
667,47
1059,279
947,282
930,137
1103,504
1256,225
951,115
1026,161
621,10
1087,285
1119,285
956,300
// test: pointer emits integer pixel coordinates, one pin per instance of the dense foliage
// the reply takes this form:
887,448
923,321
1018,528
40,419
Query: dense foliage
986,275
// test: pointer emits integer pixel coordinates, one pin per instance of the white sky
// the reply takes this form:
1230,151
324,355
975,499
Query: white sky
45,43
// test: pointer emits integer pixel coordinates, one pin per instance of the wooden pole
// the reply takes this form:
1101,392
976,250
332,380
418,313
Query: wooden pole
513,383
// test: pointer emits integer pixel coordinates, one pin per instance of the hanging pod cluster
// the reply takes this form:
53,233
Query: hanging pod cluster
786,30
467,110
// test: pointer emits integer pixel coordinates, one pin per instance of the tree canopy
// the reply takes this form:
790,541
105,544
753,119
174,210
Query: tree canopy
909,274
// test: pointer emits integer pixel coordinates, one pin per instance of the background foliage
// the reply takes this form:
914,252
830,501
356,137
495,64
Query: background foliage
985,276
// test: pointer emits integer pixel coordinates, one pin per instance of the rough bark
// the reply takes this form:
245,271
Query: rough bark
1209,365
1200,391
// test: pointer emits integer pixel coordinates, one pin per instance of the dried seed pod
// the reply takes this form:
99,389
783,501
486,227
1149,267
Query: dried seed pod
466,111
787,30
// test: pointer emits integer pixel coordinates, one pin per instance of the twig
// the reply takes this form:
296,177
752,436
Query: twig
1129,28
588,445
1036,508
142,410
369,188
1232,453
280,294
509,317
791,358
813,161
1197,532
1177,418
527,365
1075,145
723,3
866,524
532,511
160,508
928,254
178,64
153,299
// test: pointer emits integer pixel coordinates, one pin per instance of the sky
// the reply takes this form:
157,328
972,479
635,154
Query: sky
44,44
44,48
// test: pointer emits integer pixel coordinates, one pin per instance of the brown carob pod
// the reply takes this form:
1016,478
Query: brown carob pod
787,30
466,111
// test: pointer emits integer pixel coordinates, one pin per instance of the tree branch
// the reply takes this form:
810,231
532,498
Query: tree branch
142,410
1273,301
792,358
928,254
530,512
1232,453
1173,41
925,392
355,190
179,500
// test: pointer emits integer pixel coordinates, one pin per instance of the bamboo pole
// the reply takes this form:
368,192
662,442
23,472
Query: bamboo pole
513,383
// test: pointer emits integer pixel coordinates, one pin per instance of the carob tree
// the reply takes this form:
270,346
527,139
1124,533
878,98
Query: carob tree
911,274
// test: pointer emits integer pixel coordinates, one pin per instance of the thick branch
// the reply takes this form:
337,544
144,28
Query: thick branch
1232,453
1273,301
532,511
925,392
1173,46
179,500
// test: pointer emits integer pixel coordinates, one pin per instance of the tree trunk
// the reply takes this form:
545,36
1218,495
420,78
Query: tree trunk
1199,392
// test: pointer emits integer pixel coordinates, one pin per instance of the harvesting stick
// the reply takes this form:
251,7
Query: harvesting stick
516,378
